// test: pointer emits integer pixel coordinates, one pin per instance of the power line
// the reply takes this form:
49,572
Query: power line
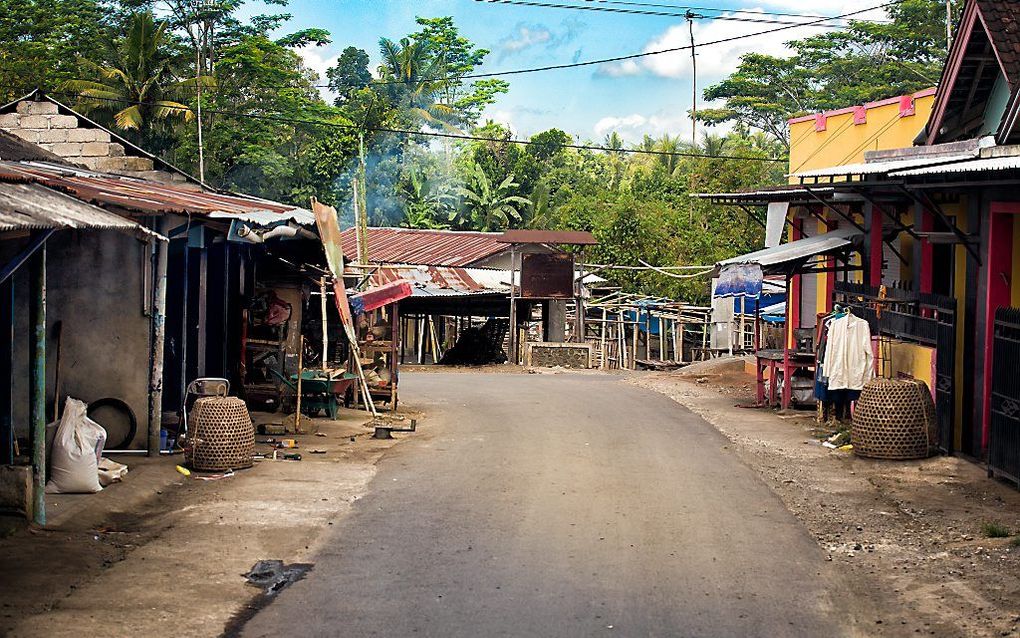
692,8
648,12
619,58
456,136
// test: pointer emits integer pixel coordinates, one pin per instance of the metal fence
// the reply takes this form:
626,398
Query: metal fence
928,319
1004,436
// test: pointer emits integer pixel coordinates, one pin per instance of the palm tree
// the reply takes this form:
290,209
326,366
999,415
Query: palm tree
672,146
427,202
135,84
538,212
413,78
489,207
713,145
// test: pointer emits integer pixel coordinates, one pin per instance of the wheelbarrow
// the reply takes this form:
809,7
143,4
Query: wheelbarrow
321,390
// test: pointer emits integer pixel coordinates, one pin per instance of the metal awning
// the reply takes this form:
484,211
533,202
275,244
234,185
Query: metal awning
982,165
880,168
788,257
766,195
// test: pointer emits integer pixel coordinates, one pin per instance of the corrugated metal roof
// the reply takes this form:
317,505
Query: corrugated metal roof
32,206
970,166
150,197
882,167
797,250
427,247
773,193
445,281
575,237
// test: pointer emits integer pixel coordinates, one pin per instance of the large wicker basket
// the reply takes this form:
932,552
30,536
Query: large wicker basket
894,419
221,435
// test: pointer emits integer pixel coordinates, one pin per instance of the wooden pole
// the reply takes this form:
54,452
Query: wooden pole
325,321
37,383
300,370
621,341
680,342
634,339
158,340
605,360
662,339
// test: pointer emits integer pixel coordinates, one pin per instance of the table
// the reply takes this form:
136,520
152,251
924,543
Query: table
790,361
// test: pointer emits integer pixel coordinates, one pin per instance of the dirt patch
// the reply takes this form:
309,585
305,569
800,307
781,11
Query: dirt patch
908,538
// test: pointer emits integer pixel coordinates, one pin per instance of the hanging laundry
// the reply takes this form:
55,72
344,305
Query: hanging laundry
849,359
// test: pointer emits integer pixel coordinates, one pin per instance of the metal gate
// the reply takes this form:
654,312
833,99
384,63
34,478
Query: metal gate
1004,437
945,368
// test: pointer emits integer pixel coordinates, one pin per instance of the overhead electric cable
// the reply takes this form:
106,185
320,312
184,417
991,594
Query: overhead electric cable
619,58
456,136
717,9
819,22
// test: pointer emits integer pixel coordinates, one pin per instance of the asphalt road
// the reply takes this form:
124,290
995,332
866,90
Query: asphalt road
560,505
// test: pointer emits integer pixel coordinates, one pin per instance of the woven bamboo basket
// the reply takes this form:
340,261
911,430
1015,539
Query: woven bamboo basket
221,435
894,419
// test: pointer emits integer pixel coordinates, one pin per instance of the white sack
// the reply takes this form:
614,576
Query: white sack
111,472
74,460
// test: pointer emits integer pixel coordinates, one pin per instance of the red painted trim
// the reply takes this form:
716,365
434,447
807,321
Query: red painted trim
952,70
860,115
907,106
830,264
820,124
867,105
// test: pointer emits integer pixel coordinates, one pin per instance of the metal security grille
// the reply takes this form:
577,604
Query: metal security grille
1004,437
923,318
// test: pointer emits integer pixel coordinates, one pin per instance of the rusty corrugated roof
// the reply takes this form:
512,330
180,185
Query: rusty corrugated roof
34,206
574,237
148,197
442,280
427,247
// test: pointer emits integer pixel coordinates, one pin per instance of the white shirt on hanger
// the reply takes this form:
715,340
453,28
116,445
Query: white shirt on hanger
849,359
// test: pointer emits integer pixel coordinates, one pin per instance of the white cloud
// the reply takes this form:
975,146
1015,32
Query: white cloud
527,35
634,126
716,61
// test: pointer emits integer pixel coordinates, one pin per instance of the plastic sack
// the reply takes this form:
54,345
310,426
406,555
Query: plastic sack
74,460
111,472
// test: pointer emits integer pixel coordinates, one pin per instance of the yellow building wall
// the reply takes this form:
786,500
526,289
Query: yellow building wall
959,213
844,142
910,360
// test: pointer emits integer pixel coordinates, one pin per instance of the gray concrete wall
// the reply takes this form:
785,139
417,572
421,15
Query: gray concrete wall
94,287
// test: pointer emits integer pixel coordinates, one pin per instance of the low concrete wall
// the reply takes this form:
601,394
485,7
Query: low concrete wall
564,355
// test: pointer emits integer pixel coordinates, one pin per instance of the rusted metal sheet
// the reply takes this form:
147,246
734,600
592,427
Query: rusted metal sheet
149,197
427,247
443,280
547,276
32,206
573,237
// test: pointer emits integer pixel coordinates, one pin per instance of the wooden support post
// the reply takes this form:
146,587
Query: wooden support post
662,339
680,342
621,344
7,372
300,374
325,321
37,383
605,319
648,335
634,340
158,341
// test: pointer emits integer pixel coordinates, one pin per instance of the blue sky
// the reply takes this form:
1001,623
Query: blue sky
652,95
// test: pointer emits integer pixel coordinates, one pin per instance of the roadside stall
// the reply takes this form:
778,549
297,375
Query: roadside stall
742,277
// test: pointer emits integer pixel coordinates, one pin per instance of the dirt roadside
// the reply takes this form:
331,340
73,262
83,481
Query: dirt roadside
173,563
908,537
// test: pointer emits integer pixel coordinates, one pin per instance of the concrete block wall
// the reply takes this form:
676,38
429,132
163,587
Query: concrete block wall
41,123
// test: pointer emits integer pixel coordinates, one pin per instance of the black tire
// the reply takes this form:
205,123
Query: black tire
114,402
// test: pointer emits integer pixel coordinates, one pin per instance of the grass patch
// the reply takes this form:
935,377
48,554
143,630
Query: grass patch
1015,541
995,530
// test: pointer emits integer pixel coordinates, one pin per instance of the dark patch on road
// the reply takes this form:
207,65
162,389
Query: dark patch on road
272,577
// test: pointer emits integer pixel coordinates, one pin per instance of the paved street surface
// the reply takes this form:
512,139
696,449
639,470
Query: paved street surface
560,505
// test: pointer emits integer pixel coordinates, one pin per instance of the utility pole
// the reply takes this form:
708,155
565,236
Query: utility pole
691,16
949,24
361,204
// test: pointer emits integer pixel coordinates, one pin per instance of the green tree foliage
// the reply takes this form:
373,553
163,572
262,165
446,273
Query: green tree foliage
41,41
134,85
488,206
867,61
350,74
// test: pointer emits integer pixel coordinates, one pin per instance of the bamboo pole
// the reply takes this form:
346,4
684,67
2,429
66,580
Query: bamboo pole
662,339
158,345
633,341
300,370
325,325
605,360
37,384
